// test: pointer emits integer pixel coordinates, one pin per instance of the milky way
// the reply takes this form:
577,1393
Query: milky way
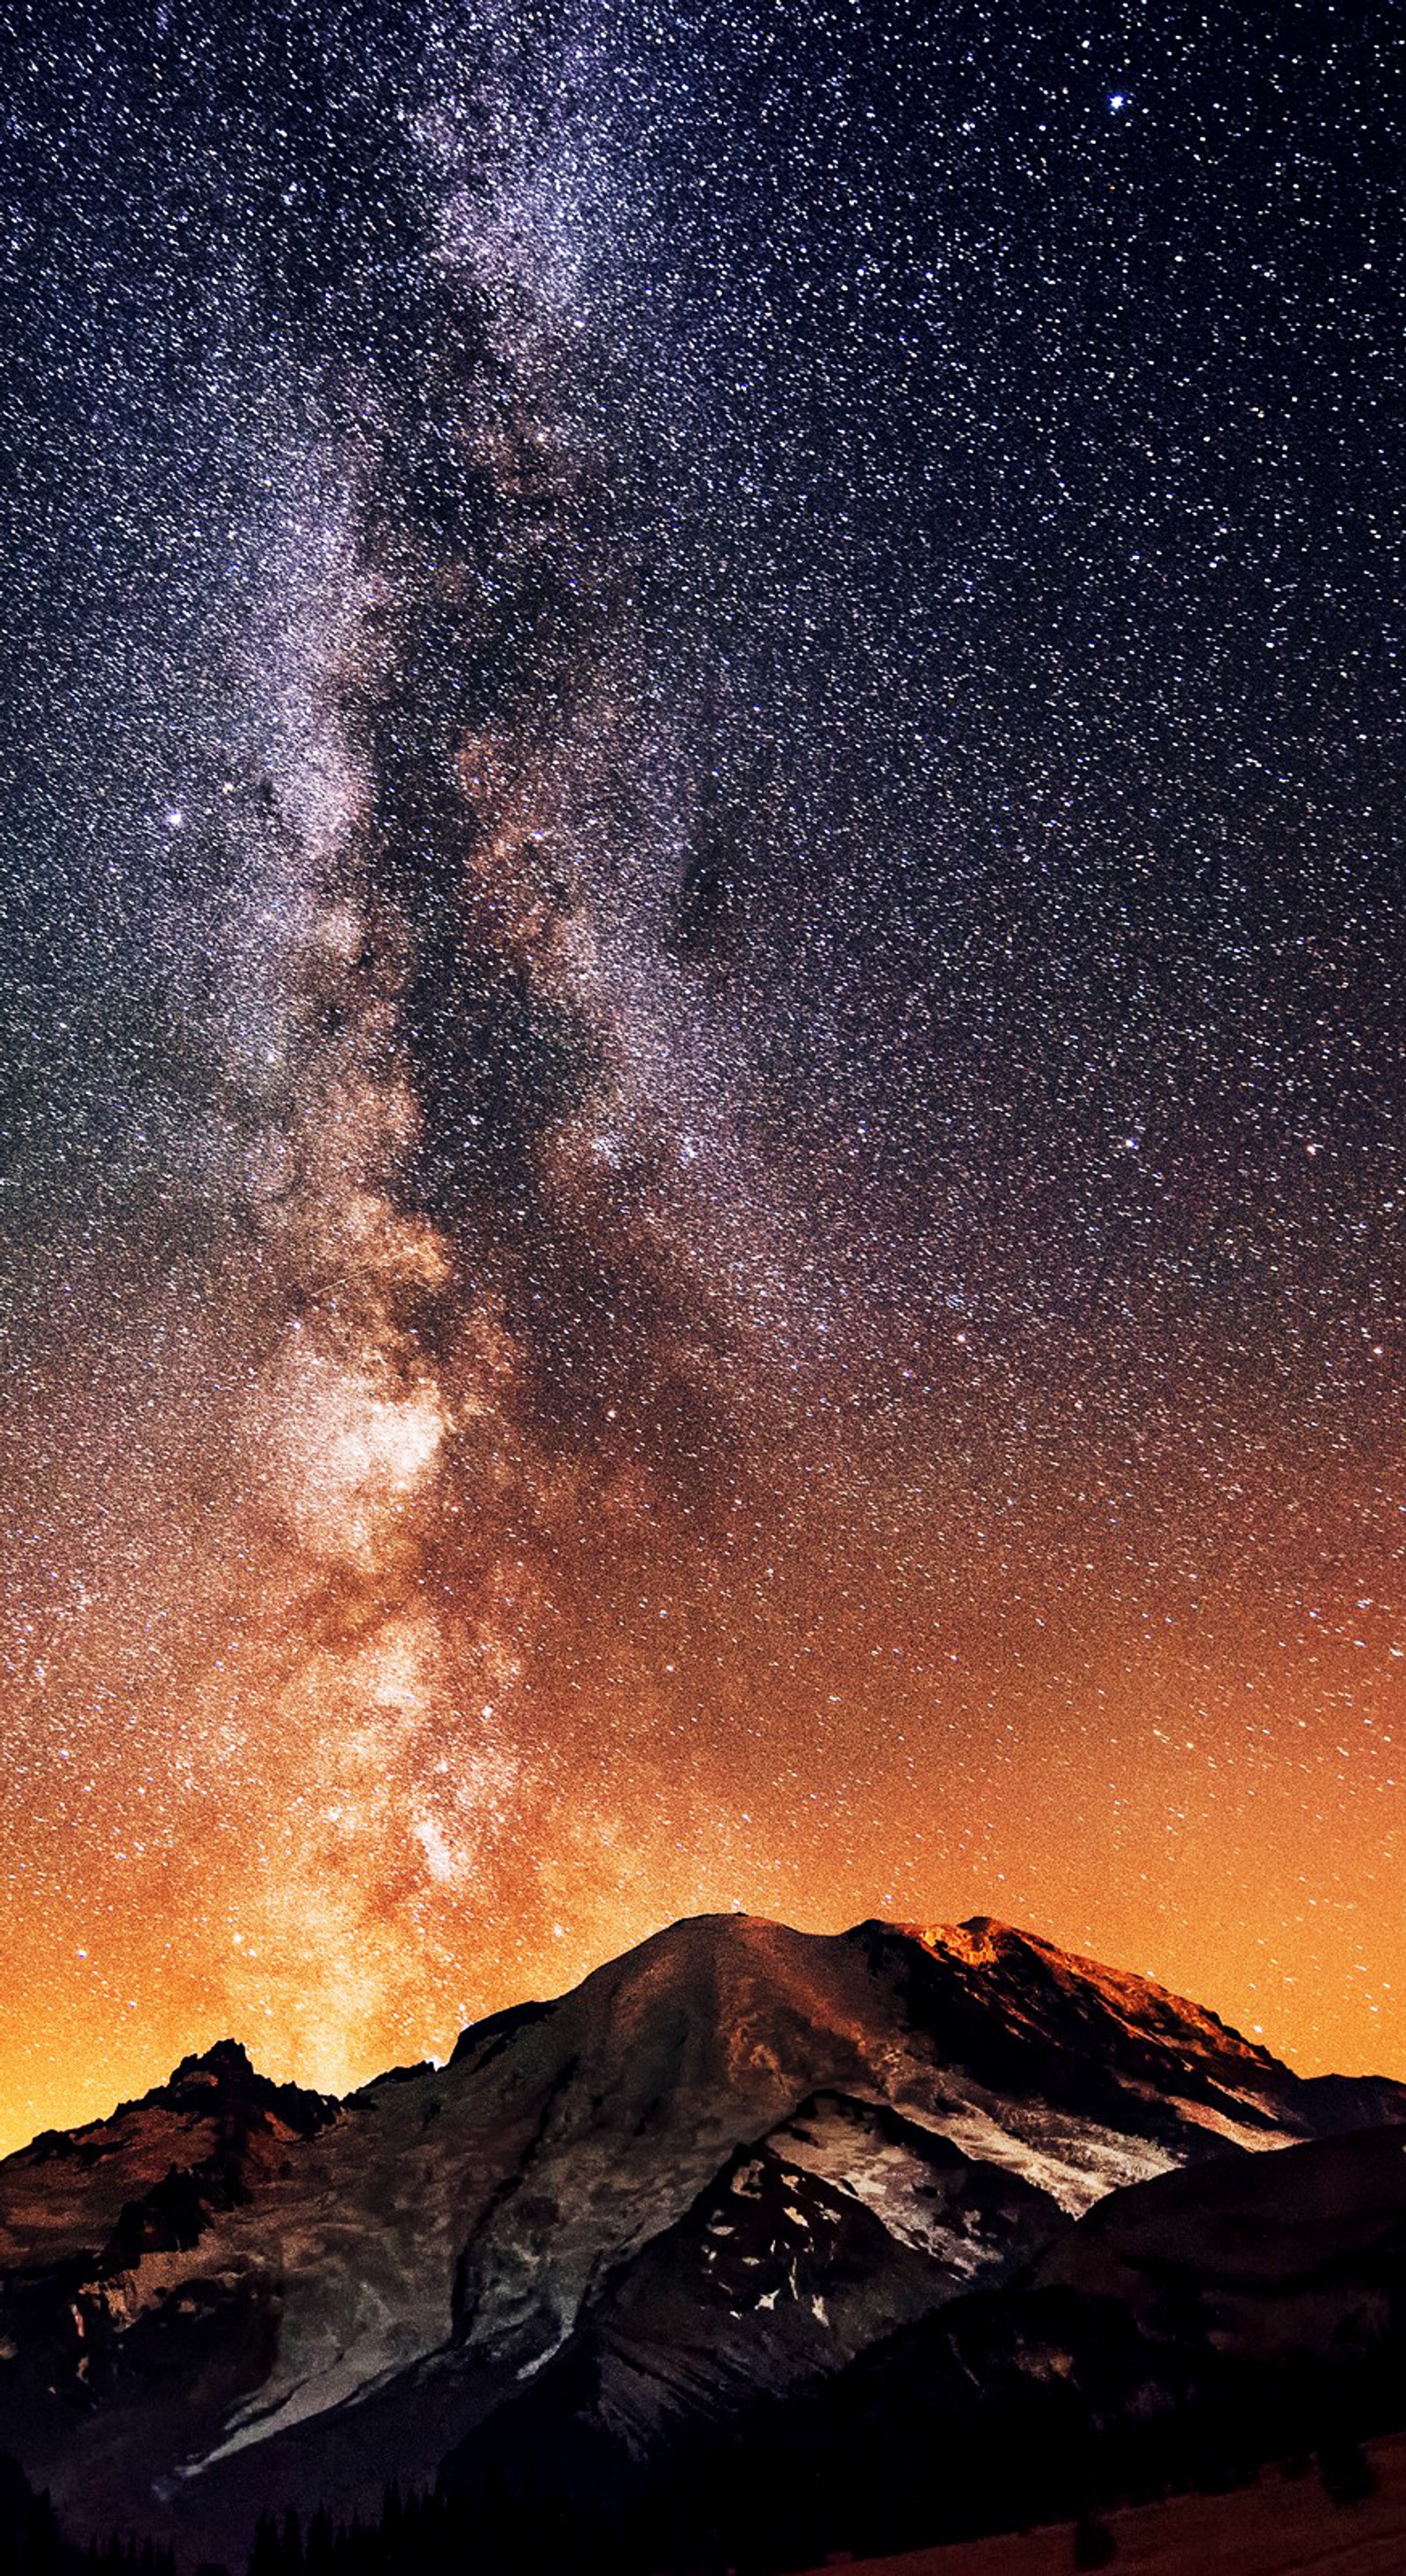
702,909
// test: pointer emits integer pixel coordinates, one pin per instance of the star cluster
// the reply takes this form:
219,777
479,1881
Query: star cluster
704,1176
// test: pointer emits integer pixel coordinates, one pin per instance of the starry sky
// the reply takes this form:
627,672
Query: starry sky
704,1161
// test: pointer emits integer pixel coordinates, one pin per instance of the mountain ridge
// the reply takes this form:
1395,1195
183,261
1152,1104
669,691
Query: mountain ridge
983,1939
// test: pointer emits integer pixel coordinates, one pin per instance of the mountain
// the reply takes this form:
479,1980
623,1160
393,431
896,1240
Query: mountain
736,2159
1183,2333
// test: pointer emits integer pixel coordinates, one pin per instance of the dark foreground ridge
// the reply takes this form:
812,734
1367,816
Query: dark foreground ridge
757,2246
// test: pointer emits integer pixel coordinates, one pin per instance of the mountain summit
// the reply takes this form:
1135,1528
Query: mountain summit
729,2161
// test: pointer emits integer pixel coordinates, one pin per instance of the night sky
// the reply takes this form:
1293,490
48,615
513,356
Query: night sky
704,1168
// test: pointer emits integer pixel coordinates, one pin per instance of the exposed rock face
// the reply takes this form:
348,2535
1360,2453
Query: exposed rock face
843,2222
732,2158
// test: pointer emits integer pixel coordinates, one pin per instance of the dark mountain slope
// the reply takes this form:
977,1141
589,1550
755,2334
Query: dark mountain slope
1187,2330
